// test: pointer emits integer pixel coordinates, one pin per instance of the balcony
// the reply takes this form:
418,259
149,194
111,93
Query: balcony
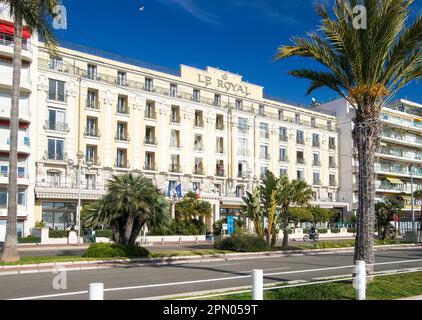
220,173
300,161
219,126
244,153
198,123
317,182
199,171
283,159
150,166
333,183
150,141
123,110
283,138
58,97
24,145
264,135
264,157
92,162
332,165
175,145
198,147
6,47
122,138
92,105
300,141
316,163
175,168
62,127
401,122
219,151
123,164
57,189
316,144
174,119
150,115
400,154
48,156
402,138
92,133
332,146
243,130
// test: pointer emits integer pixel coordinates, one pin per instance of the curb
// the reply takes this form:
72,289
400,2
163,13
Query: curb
181,259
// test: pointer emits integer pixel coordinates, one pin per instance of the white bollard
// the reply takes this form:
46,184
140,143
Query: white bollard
96,291
360,283
180,240
212,239
162,240
257,284
196,240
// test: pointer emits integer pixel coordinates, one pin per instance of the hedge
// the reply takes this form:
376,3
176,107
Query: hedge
104,233
58,233
111,250
242,243
29,239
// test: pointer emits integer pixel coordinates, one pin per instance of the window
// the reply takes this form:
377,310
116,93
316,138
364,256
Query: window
333,180
148,84
198,145
90,181
332,162
219,122
199,120
175,139
59,215
240,191
122,105
263,152
173,90
175,163
317,162
282,154
91,127
121,78
283,172
149,161
329,127
175,114
150,110
21,172
53,179
332,143
300,137
4,171
3,197
56,63
242,125
299,157
121,158
56,90
91,71
199,167
21,197
264,132
121,132
55,149
316,178
242,169
280,115
297,118
261,110
282,134
262,170
239,104
243,148
196,186
91,154
315,140
313,122
56,120
220,145
91,101
150,135
217,100
196,95
299,175
219,168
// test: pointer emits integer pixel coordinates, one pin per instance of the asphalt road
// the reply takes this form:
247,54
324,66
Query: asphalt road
165,279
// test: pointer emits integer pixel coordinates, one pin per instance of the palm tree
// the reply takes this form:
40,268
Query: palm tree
270,202
384,212
366,67
35,13
252,210
131,203
292,193
418,194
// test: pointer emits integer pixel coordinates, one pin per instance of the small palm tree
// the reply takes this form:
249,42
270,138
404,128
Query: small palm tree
252,210
131,203
366,67
292,193
35,13
270,202
418,195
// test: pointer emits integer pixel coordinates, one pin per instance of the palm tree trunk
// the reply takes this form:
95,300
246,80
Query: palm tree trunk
130,220
10,252
285,244
366,135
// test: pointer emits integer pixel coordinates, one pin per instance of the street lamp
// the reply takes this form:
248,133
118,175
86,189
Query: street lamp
80,156
411,197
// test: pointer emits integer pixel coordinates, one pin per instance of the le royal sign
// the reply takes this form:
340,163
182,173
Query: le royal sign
223,84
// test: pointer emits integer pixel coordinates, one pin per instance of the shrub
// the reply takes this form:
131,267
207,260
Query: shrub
104,233
351,230
182,228
322,230
107,250
39,224
29,239
242,243
58,233
335,230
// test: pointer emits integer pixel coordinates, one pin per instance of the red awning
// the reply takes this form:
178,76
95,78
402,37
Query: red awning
7,28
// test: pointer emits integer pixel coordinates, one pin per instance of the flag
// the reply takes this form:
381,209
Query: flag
179,190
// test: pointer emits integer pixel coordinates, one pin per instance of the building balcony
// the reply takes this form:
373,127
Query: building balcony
199,123
92,133
198,148
332,147
316,163
92,162
199,171
317,182
265,135
244,153
24,114
401,122
174,120
23,179
283,159
24,144
243,130
403,139
122,164
175,168
316,144
60,190
6,77
332,166
283,138
150,141
219,126
150,167
300,141
220,173
399,155
265,157
57,97
125,110
333,184
56,157
122,138
7,49
150,115
61,127
300,161
92,105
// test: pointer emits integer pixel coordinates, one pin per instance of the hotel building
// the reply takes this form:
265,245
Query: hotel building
206,129
397,161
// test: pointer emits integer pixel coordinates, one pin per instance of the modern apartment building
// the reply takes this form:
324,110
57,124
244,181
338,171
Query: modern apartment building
398,159
26,146
206,129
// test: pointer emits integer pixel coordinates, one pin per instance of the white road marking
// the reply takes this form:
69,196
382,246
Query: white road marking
222,265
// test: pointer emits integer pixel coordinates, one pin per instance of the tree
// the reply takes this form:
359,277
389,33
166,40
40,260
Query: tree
252,210
270,201
35,13
131,203
191,208
321,215
366,67
300,214
385,212
418,195
291,193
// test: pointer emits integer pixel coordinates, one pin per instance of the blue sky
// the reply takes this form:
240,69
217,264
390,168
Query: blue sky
239,36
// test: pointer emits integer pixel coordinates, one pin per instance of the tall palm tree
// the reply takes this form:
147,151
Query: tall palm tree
252,210
270,202
292,193
366,67
131,203
35,13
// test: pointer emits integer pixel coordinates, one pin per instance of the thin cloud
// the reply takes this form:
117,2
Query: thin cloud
193,9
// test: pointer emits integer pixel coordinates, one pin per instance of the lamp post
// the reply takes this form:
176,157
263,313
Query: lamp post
80,156
411,197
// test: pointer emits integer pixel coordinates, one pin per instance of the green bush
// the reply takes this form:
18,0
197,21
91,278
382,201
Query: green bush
322,230
29,239
351,230
242,243
111,250
104,233
335,230
58,233
182,228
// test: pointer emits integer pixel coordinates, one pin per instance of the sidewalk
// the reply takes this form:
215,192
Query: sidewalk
412,298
